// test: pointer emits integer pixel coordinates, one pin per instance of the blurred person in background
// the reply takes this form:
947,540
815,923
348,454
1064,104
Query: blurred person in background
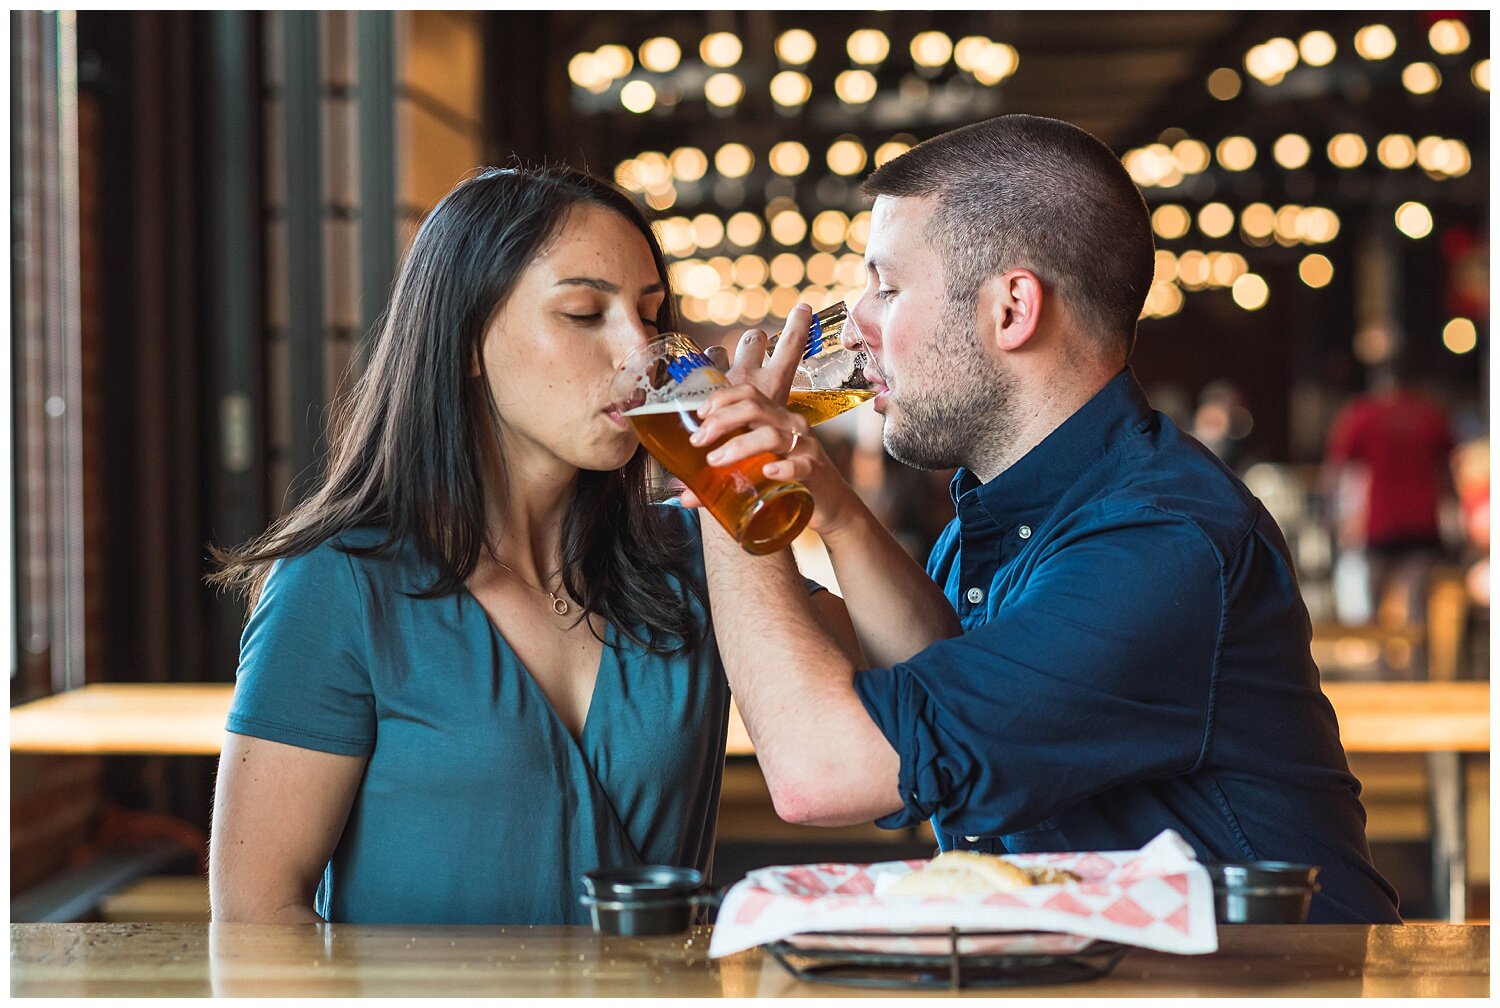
1130,651
1387,471
479,661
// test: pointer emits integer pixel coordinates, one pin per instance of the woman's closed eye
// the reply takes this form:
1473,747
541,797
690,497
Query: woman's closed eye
885,293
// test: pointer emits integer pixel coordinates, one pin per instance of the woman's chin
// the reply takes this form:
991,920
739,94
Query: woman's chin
608,458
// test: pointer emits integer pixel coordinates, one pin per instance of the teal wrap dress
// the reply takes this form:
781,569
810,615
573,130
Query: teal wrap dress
477,805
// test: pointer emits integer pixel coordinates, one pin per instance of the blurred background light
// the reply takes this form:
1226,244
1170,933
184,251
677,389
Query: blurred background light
1171,221
890,149
1291,150
1317,48
1460,335
1250,292
745,230
660,54
1396,151
789,158
789,227
638,96
796,46
790,88
1224,84
734,160
721,49
1236,153
723,89
1215,220
846,157
855,86
868,46
1421,78
1375,42
1315,270
1448,36
1414,220
614,61
931,48
1347,150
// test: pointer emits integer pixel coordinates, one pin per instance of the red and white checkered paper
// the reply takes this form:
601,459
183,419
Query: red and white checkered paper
1158,897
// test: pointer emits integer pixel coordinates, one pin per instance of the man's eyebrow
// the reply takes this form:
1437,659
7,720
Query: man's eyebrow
604,285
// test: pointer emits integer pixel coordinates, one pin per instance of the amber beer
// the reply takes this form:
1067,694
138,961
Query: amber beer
818,405
763,514
658,391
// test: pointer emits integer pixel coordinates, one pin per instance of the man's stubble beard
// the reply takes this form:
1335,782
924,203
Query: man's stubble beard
965,408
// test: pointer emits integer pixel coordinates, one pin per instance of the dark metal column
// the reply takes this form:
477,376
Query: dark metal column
233,297
377,170
306,338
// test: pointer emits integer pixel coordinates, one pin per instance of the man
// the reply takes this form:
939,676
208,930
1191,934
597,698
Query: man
1401,444
1121,647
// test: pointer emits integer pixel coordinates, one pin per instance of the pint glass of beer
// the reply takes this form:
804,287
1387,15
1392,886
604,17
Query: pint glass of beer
658,390
831,377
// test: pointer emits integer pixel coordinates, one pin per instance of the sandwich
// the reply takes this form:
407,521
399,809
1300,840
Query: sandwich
970,873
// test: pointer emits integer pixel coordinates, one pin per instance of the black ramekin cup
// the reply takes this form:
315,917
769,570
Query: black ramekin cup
644,899
1262,892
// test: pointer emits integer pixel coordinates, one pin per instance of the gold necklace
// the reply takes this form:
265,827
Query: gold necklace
559,605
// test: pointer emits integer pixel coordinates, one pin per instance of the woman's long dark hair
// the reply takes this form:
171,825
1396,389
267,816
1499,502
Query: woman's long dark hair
409,453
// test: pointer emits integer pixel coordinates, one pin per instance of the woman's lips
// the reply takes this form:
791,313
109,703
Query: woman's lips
615,417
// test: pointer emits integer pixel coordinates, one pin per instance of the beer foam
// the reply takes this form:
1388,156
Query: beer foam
679,405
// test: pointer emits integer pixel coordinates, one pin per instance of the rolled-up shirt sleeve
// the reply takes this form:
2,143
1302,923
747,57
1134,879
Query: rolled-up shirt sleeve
1098,673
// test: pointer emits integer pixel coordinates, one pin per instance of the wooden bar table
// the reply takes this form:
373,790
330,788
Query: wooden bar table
311,960
188,719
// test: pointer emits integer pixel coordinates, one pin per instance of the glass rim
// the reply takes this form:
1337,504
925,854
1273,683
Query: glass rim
652,345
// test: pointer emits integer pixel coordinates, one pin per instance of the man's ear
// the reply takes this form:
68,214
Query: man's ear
1010,308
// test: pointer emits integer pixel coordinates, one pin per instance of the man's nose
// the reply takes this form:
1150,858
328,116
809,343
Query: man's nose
863,316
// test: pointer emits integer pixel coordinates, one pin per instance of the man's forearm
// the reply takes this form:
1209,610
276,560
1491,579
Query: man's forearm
896,608
824,760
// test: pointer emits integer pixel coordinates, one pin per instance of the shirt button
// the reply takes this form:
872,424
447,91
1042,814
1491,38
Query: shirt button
971,839
975,596
1024,531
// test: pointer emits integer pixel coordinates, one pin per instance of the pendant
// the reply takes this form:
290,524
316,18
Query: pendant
559,606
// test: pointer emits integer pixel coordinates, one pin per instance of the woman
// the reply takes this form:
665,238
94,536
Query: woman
479,661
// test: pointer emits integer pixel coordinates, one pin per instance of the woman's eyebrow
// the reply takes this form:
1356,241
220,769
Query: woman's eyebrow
594,282
599,284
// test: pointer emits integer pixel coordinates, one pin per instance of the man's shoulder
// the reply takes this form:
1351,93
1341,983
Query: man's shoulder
1169,479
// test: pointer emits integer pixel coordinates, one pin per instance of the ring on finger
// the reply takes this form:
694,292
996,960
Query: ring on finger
795,438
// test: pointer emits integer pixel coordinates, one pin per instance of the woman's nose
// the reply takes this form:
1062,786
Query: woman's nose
630,338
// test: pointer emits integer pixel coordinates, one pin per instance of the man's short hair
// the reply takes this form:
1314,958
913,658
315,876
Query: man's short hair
1025,191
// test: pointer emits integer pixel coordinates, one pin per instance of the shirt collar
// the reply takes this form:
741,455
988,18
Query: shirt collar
1028,489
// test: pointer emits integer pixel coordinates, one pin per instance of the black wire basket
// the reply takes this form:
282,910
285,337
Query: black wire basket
952,970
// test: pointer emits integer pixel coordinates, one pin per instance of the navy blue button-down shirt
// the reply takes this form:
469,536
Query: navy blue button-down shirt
1135,658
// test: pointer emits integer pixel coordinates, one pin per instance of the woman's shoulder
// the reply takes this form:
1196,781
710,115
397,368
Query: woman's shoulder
339,561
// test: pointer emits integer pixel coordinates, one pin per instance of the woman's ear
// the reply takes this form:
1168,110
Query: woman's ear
1010,308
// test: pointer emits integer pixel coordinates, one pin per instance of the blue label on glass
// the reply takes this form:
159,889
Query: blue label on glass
814,340
680,367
